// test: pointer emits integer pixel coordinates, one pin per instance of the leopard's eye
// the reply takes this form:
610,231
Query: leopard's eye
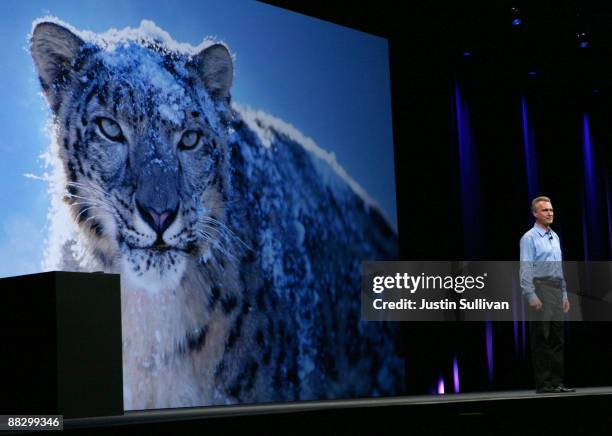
110,129
189,140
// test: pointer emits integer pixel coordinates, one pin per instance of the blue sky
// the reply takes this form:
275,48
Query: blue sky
330,82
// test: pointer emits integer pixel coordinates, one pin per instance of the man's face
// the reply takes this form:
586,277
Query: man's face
544,213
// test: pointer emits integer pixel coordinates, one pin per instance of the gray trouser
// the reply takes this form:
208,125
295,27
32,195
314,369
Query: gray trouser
547,335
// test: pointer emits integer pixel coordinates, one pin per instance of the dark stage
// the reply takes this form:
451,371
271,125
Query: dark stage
503,412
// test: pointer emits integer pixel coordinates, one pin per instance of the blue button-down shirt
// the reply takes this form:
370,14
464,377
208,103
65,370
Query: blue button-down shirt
540,258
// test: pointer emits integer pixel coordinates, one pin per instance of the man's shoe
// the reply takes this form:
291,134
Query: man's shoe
548,390
564,389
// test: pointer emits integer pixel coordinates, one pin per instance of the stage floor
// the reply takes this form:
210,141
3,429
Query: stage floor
474,403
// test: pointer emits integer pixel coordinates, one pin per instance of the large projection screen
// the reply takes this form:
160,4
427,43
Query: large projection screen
234,163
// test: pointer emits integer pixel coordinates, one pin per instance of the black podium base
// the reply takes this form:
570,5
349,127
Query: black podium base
60,344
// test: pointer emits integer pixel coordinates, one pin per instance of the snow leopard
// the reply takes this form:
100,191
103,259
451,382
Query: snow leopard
238,240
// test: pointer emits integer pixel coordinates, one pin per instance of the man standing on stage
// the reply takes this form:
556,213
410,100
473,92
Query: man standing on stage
543,286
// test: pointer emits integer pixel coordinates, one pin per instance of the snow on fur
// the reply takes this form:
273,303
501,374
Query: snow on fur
126,42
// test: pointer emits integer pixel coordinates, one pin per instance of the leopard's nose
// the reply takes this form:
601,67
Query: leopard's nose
157,220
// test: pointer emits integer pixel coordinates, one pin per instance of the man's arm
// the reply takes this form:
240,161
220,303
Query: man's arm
527,256
566,303
563,284
563,288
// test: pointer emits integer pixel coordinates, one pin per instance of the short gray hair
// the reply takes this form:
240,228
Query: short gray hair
537,200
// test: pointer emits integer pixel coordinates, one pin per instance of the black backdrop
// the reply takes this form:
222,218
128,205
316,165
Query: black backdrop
499,69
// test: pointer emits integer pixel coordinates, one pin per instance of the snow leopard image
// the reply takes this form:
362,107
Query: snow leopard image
238,240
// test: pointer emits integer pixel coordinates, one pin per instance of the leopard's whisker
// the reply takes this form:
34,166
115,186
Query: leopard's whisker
68,194
85,209
216,244
91,203
226,229
87,187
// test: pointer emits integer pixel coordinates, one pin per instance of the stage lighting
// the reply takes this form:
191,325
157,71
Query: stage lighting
516,20
441,390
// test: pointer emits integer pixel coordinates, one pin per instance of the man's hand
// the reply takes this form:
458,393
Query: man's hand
566,305
537,304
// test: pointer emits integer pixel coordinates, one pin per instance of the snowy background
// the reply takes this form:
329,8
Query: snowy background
330,82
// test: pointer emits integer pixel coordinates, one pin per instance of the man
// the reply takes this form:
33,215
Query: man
543,286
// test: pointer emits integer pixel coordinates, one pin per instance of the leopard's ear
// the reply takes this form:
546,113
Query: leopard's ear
54,49
215,67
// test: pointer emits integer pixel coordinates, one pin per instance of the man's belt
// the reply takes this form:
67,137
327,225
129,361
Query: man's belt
551,281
